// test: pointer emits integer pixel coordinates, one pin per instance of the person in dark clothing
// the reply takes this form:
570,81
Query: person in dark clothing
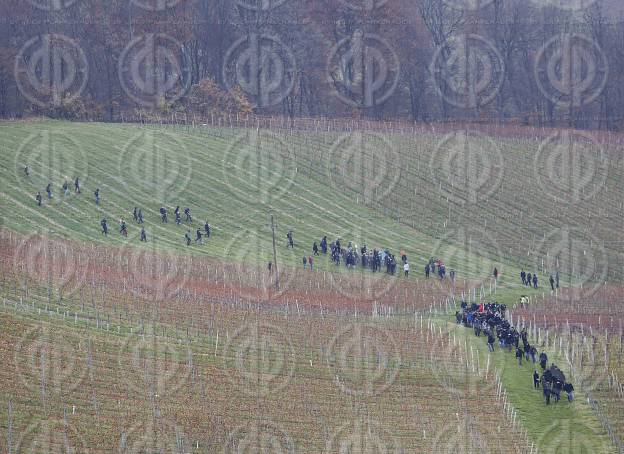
207,229
122,227
523,277
135,214
546,390
528,280
104,225
315,249
49,190
178,219
270,267
143,234
26,171
495,273
291,243
534,280
533,352
77,185
458,317
569,389
38,198
556,390
198,237
163,214
519,355
187,213
324,245
490,342
552,283
187,237
557,279
96,193
543,359
427,270
140,216
177,210
305,262
65,188
536,379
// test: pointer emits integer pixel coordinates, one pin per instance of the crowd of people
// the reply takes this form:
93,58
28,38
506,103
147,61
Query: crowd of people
489,320
137,214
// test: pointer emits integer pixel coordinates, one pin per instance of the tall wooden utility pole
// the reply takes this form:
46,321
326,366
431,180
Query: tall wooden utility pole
275,256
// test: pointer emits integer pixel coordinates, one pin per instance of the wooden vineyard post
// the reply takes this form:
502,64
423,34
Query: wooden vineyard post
274,255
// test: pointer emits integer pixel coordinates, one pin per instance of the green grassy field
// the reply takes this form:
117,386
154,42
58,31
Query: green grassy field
387,191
